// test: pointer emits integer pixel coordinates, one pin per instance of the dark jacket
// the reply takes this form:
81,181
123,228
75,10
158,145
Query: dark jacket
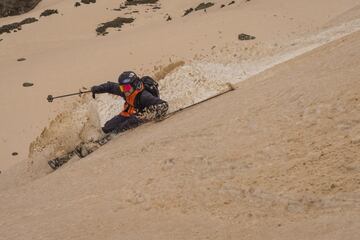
143,99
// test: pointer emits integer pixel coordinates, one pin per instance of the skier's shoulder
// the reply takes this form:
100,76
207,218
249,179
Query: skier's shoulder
146,94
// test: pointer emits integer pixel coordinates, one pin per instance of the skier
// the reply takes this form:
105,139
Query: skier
142,101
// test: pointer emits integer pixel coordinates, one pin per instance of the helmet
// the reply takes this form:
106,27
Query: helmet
128,77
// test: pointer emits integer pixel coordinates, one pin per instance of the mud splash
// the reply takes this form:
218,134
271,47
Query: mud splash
69,128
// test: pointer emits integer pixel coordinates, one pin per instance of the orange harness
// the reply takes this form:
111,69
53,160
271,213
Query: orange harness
129,105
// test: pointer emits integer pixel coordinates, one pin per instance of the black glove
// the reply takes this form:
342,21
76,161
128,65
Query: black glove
94,90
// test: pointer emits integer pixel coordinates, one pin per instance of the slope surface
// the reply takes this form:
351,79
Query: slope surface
276,158
63,52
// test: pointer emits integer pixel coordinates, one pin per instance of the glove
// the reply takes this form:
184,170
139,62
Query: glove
94,90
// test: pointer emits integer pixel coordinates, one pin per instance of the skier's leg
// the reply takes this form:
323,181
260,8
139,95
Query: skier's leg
128,123
113,123
120,123
154,112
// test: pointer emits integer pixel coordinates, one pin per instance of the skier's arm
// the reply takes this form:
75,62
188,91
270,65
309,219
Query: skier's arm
109,87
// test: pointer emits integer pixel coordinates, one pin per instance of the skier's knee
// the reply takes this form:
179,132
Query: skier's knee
108,127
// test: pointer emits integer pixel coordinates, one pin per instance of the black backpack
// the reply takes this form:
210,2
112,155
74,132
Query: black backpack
151,85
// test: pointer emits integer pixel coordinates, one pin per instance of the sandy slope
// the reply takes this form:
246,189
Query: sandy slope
62,59
278,158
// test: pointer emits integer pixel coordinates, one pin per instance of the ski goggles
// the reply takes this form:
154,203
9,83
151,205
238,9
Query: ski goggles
126,88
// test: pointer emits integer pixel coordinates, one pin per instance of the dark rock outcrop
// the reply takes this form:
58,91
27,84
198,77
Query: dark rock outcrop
188,11
16,26
203,5
28,84
88,1
244,37
49,12
16,7
136,2
116,23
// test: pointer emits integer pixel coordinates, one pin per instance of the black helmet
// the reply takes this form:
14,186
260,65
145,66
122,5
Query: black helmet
128,77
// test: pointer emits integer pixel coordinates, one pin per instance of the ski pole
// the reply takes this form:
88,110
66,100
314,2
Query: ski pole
50,98
230,88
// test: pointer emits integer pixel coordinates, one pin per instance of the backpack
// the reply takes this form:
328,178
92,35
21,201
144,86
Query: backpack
151,85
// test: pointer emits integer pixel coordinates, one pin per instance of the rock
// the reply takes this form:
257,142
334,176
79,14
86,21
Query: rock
201,6
222,5
14,154
84,152
1,39
204,6
244,37
16,7
232,2
49,12
116,23
21,59
77,4
17,25
168,18
187,11
28,21
28,84
88,1
136,2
